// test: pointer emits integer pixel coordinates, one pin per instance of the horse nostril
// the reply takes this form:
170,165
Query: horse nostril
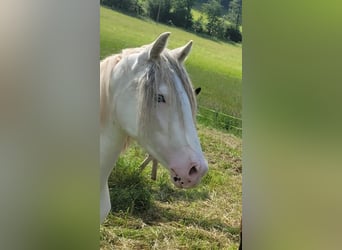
193,170
176,178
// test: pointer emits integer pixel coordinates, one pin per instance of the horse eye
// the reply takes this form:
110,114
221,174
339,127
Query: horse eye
161,98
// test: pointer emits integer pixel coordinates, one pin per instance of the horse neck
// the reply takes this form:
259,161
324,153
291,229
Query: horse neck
112,141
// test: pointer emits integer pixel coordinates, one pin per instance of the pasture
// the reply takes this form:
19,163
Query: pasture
154,214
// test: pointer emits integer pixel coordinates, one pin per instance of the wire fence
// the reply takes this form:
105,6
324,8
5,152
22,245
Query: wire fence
220,120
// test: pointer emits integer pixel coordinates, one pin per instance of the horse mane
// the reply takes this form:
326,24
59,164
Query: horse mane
147,85
107,66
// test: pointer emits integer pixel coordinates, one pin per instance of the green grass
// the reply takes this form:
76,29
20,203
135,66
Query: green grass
213,65
206,217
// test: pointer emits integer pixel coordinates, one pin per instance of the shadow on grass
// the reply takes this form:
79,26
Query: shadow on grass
157,215
132,192
129,191
167,193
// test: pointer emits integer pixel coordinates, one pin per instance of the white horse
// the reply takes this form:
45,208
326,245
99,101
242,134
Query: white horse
146,95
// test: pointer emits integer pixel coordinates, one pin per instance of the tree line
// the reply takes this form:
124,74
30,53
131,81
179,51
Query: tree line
222,19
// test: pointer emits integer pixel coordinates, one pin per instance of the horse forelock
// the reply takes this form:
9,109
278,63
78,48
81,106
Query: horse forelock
157,71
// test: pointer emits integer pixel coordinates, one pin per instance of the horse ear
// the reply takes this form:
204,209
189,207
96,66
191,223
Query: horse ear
159,45
182,52
198,90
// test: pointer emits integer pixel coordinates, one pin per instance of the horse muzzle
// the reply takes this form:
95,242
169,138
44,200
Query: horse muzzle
188,176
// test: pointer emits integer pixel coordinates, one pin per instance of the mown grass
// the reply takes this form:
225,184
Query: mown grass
213,65
206,217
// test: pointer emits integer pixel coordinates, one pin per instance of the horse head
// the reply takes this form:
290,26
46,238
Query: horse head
154,103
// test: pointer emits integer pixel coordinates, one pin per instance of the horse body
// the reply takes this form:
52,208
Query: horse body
146,95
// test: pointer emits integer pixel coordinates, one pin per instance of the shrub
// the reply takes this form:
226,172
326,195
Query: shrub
216,27
198,25
233,34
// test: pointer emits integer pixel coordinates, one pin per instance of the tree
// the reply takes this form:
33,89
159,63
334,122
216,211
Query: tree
225,4
213,9
159,10
235,13
181,13
198,25
233,32
132,6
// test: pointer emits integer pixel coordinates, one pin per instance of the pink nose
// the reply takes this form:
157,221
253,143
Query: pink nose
190,176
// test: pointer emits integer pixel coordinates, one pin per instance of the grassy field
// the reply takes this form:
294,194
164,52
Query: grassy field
150,214
155,215
213,65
